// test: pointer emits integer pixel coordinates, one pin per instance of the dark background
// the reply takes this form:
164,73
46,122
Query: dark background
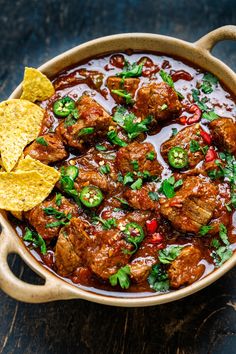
31,32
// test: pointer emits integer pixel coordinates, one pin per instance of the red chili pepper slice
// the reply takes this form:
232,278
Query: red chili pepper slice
206,137
181,75
151,226
156,238
183,120
196,114
211,154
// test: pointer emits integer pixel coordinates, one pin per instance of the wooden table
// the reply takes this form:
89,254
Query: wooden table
31,32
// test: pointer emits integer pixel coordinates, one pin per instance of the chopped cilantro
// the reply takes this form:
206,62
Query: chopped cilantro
123,201
113,137
100,147
58,199
124,94
106,223
169,254
128,178
131,70
223,234
194,146
72,118
221,253
164,107
204,230
35,239
41,140
153,196
158,279
105,169
209,81
166,78
86,131
174,131
211,115
135,165
121,277
137,184
169,185
150,156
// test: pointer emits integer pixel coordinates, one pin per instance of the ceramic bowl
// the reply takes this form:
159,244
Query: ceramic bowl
55,288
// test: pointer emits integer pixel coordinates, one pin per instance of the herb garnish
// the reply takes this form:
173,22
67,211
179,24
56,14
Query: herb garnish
169,254
124,94
209,81
121,277
135,165
100,147
222,253
153,196
86,131
128,121
205,229
194,146
174,131
105,169
113,137
72,118
36,239
58,199
67,184
131,70
168,79
63,219
41,140
169,185
137,184
211,115
158,278
150,156
107,224
128,178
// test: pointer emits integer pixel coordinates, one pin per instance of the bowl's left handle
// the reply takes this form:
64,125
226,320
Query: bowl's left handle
20,290
208,41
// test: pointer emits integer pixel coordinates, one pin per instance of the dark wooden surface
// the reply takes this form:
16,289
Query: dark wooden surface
31,32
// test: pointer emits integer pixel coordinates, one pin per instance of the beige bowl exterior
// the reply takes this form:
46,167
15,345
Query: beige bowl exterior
56,288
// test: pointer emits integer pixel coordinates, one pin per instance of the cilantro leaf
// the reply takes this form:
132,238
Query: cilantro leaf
166,78
153,196
204,230
100,147
86,131
41,140
209,81
121,277
35,239
174,131
137,184
135,165
223,234
113,137
106,223
211,115
194,146
150,156
169,254
128,178
131,70
58,199
105,169
169,185
124,94
158,278
221,255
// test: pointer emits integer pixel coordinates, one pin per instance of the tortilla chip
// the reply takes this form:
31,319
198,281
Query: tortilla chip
20,123
29,164
21,191
36,86
17,214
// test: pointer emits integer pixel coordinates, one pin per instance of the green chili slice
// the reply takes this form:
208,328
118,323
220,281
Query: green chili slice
91,196
72,172
134,233
178,157
63,106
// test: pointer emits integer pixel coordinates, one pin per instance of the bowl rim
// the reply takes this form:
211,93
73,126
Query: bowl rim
66,290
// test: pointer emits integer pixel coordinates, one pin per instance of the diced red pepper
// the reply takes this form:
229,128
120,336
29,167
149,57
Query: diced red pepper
151,226
181,75
156,238
183,120
205,136
211,154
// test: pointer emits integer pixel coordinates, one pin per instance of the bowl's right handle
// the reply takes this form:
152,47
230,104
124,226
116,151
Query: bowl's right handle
208,41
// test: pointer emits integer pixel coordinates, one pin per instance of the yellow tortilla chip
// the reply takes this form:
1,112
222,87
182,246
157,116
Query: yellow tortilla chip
20,123
29,164
36,86
21,191
17,214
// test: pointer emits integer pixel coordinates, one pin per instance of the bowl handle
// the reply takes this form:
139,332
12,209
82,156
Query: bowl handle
20,290
208,41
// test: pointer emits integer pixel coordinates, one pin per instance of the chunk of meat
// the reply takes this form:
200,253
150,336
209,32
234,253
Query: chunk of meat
192,206
50,151
185,269
224,134
158,100
140,199
39,219
91,115
130,85
183,140
143,260
110,256
138,152
73,244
